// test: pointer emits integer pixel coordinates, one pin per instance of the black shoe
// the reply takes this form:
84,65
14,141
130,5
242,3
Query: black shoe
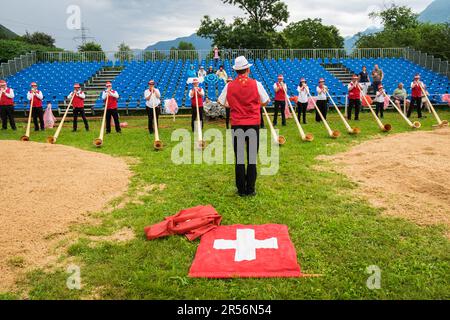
241,194
14,129
87,129
251,194
108,132
74,130
119,132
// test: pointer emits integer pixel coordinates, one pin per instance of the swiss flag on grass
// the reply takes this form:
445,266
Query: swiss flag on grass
238,251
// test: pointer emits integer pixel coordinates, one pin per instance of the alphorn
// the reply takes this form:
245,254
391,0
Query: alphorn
350,130
441,123
158,144
333,134
201,143
305,137
99,141
278,139
26,137
383,127
415,125
52,140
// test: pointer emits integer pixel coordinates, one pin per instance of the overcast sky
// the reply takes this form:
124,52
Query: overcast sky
141,23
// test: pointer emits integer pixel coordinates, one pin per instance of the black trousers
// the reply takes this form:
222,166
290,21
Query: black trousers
323,107
375,86
194,117
280,105
76,113
228,113
302,108
246,140
151,121
415,103
7,113
112,113
380,109
38,114
354,103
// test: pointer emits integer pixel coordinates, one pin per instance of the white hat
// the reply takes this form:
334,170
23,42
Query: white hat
241,63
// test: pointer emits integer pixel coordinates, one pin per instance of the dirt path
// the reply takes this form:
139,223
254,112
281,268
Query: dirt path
44,189
406,174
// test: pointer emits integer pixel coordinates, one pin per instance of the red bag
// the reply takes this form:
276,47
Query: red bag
369,100
193,223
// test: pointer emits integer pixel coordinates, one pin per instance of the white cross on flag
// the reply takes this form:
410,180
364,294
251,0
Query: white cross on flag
246,252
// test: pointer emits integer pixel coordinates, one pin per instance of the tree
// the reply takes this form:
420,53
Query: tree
10,49
396,18
39,38
184,51
124,53
402,29
92,51
311,33
256,30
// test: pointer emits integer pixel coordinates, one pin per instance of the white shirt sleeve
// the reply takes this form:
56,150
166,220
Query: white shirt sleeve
104,95
40,95
29,95
115,94
147,94
82,95
10,94
191,93
223,96
263,96
69,97
157,93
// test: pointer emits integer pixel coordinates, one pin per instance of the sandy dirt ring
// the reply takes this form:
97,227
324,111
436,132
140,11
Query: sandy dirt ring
43,190
408,175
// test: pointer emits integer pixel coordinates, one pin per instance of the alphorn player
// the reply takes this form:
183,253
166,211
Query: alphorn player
7,106
379,101
417,95
322,100
302,102
196,102
152,96
227,109
280,89
112,96
354,96
244,96
35,96
78,107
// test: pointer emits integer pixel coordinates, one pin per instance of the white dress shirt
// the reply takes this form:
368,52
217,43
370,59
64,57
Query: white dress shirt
154,101
302,94
263,96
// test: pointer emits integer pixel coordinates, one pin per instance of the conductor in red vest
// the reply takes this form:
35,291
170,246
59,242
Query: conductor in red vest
78,106
244,97
35,96
280,100
112,96
7,106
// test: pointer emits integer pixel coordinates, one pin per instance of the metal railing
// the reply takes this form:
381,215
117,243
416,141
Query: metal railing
13,66
428,61
225,54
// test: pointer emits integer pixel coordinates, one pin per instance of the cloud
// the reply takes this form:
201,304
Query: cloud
140,23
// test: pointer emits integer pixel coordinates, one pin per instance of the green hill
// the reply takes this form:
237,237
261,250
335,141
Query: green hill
5,33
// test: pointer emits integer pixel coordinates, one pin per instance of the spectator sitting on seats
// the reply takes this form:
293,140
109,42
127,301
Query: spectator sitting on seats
364,80
400,95
191,72
202,73
210,70
222,74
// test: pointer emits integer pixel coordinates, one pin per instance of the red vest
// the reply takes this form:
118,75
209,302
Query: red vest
417,92
280,95
37,103
244,101
112,102
5,101
354,94
194,101
78,103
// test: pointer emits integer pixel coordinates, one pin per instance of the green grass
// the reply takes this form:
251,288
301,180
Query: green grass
334,233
